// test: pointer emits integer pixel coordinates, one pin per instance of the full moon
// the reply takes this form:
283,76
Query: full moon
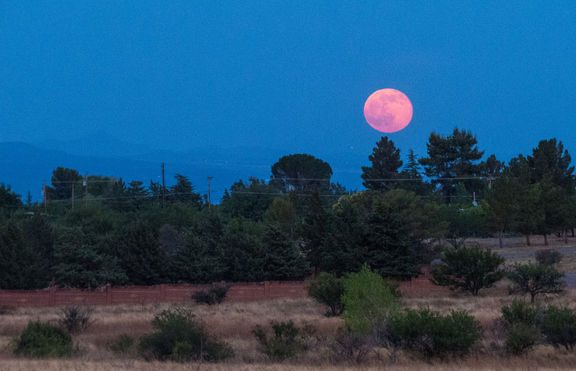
388,110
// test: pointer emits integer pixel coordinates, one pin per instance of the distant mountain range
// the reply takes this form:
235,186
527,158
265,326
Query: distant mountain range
26,166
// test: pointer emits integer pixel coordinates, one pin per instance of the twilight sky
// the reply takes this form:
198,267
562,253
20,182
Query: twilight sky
287,74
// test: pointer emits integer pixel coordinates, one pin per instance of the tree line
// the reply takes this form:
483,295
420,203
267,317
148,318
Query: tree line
296,224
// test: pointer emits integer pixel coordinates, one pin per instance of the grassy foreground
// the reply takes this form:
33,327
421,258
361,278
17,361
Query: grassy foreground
234,323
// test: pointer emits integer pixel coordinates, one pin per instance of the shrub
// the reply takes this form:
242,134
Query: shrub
536,279
521,322
427,332
548,256
288,341
520,337
367,302
40,339
215,295
351,346
122,345
559,327
328,289
179,337
521,312
75,319
470,269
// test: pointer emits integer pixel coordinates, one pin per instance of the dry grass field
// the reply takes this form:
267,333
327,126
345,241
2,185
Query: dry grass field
234,322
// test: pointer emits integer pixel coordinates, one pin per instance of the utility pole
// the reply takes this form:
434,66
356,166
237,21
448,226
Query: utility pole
163,188
86,184
72,196
209,178
44,192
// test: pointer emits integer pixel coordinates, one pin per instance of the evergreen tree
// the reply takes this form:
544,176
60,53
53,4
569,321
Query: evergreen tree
529,214
242,252
343,250
81,262
194,262
136,194
183,191
388,250
451,157
385,159
502,201
23,266
9,199
315,230
62,180
143,259
301,173
283,261
249,200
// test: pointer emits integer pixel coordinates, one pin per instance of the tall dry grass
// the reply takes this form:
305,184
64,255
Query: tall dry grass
234,323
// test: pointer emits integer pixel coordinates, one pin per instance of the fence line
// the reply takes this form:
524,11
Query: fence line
239,292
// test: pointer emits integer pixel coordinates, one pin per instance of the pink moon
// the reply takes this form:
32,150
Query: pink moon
388,110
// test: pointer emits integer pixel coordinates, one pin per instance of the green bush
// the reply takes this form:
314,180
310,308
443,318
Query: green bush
178,337
368,302
215,295
548,256
328,289
559,327
122,345
288,341
41,339
469,269
520,337
521,312
428,332
521,321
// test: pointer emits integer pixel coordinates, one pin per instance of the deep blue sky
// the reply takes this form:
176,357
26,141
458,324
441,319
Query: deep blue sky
287,74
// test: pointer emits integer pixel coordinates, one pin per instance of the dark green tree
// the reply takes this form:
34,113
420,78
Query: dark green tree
249,200
343,249
24,266
8,198
383,172
283,261
529,214
550,159
242,252
62,180
536,279
452,157
115,195
412,179
388,247
142,257
194,262
136,194
81,262
315,230
183,191
301,173
470,269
